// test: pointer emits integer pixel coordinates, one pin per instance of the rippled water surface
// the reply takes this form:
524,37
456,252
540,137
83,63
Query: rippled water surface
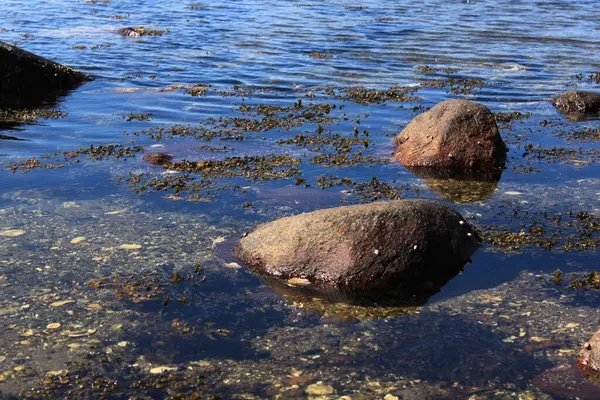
94,240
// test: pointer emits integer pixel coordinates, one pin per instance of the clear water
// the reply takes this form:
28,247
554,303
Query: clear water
523,53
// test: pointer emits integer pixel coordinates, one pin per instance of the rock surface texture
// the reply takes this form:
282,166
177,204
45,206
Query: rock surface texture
27,79
371,246
456,135
589,359
577,103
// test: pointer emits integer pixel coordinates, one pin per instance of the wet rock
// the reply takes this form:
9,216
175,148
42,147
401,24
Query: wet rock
129,32
566,380
455,135
577,104
374,246
29,80
157,158
589,359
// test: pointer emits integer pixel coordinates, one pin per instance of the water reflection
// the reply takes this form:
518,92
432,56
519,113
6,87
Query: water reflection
460,187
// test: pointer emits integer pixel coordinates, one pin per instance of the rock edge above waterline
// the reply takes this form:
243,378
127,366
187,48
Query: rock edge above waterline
29,80
363,247
457,135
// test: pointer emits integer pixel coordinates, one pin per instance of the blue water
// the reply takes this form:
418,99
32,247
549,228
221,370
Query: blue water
523,52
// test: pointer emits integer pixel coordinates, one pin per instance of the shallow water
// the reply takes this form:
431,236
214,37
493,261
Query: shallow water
93,232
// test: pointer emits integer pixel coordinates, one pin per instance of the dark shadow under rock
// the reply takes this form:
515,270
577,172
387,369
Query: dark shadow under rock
460,187
333,302
29,80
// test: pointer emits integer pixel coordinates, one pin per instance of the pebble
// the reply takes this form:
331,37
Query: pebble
390,397
160,370
130,246
12,232
78,239
94,307
54,325
2,359
61,303
298,282
319,389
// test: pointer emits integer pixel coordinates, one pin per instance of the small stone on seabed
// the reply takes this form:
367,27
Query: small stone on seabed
12,232
78,239
61,303
54,325
298,282
319,389
130,246
160,370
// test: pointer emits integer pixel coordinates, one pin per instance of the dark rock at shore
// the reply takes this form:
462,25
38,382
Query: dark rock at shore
370,247
577,104
157,158
455,135
29,80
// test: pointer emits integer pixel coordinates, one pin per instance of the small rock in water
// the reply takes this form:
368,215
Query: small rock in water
2,359
298,282
54,325
319,389
157,158
61,303
160,370
12,232
576,103
130,246
78,239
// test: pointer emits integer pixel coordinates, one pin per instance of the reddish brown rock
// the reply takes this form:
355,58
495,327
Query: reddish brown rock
367,247
157,158
589,359
577,103
454,135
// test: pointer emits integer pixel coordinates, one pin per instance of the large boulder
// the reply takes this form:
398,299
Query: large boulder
366,247
577,104
589,359
456,135
28,80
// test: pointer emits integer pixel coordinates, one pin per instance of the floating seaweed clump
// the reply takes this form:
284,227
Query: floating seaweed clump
366,96
22,116
455,85
575,156
550,231
581,135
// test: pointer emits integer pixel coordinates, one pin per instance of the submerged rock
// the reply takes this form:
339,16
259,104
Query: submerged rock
456,135
577,104
377,246
157,158
29,80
